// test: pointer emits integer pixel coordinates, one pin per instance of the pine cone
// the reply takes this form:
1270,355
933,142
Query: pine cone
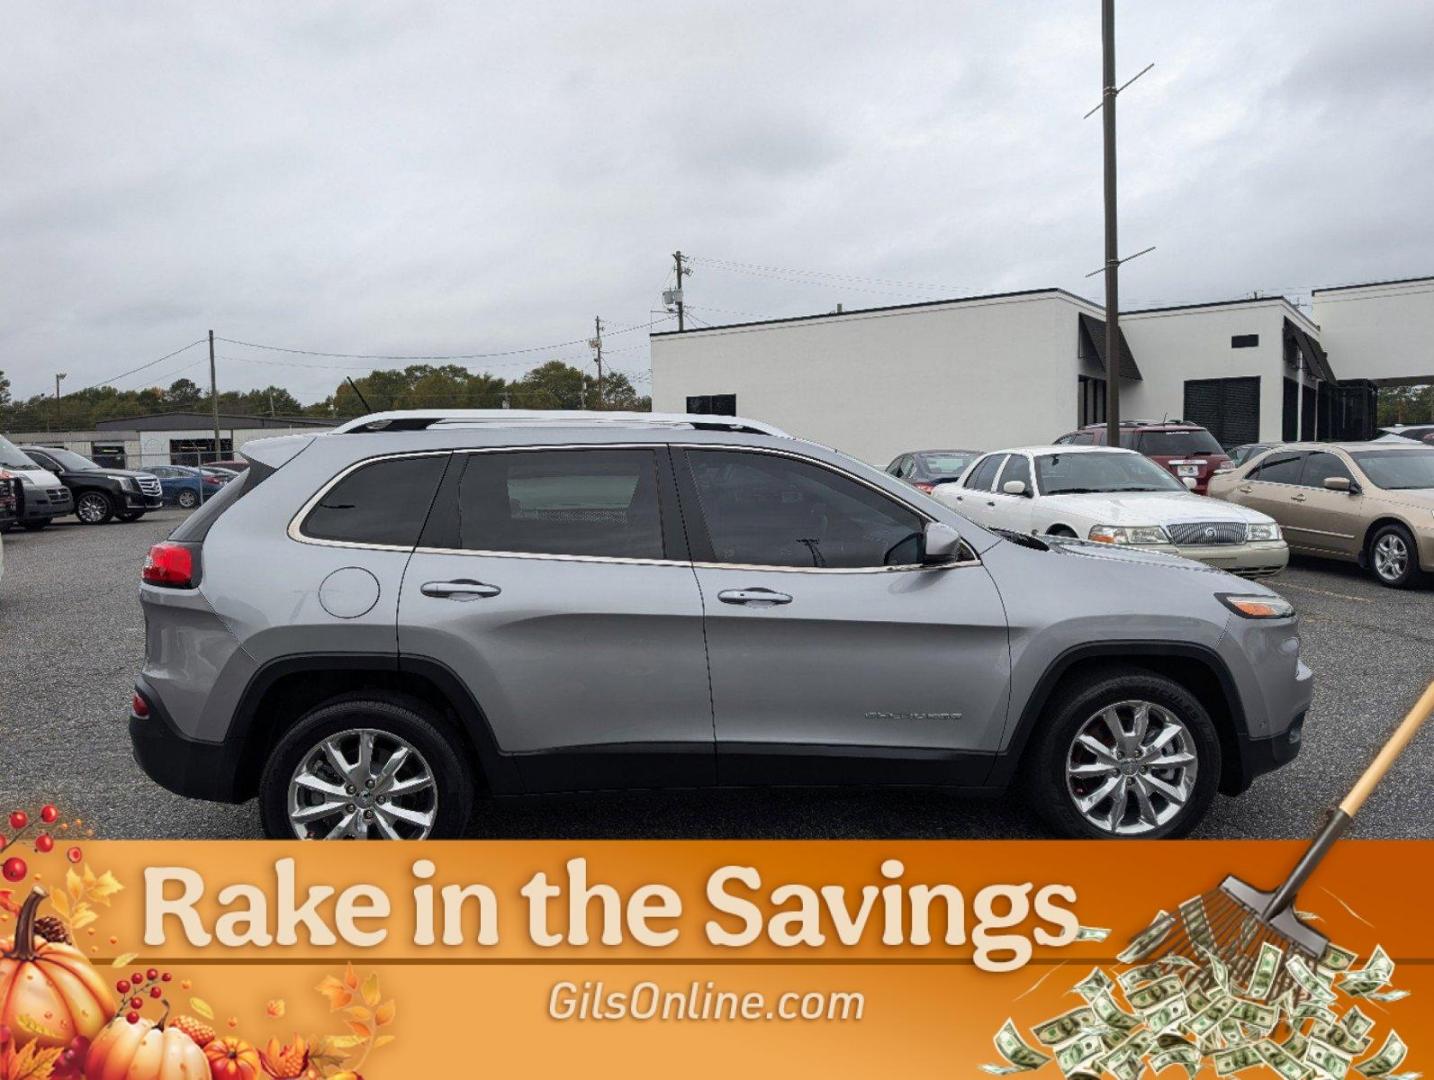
52,929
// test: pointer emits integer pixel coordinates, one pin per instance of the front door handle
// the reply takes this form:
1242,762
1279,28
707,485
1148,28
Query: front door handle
991,502
462,589
756,597
1246,489
1297,498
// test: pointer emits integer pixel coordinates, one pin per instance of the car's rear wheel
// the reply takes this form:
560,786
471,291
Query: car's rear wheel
1394,557
367,767
187,498
1124,753
94,508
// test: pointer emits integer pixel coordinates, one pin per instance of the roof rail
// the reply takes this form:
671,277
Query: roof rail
425,419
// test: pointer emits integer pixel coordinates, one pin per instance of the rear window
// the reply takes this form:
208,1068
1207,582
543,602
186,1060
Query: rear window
1278,469
1176,443
383,502
952,465
194,528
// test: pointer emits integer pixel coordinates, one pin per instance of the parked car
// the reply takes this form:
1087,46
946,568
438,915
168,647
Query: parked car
1243,453
1186,450
1420,433
1113,496
926,469
1371,503
40,495
372,625
235,465
100,494
184,485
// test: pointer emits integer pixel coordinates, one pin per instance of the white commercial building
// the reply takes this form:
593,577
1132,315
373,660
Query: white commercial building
177,438
1027,367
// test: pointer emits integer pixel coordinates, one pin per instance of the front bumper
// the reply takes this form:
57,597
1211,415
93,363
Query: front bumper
138,500
43,503
1248,560
1259,756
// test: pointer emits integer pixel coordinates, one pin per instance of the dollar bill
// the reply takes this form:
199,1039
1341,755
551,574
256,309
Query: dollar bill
1126,1067
1065,1027
1014,1049
1336,959
1308,981
1329,1060
1355,1022
1077,1053
1112,1015
1151,996
1208,1019
1197,998
1256,1014
1168,1015
1186,1056
1340,1037
1092,933
1391,1055
1296,1044
1387,995
1149,939
1142,973
1267,966
1219,973
1375,974
1197,922
1236,1059
1282,1061
1094,984
1313,1010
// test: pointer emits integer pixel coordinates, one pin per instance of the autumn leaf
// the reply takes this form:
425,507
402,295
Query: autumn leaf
123,960
74,885
276,1008
84,915
61,903
338,994
383,1040
363,1031
102,888
384,1014
32,1063
7,902
359,1013
351,977
343,1042
371,993
202,1007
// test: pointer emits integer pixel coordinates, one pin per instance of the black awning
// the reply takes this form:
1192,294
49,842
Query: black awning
1316,359
1092,332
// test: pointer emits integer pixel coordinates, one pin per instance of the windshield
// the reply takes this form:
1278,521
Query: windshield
71,460
1081,474
12,457
1398,470
1177,443
946,464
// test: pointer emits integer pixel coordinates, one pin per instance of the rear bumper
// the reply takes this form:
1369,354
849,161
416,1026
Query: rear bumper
185,766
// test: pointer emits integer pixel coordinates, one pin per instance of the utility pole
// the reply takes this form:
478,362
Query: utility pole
1112,256
213,398
681,271
58,376
596,344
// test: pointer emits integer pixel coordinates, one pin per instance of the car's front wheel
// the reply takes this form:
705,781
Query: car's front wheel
1124,753
188,499
1394,557
367,767
94,508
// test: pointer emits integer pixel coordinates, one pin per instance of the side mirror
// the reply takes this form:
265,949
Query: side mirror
1014,487
1341,483
940,543
1189,482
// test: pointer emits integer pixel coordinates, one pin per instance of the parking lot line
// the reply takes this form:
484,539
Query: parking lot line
1326,592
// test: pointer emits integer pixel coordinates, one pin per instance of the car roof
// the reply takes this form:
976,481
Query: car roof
567,419
1353,447
1069,448
1149,425
921,453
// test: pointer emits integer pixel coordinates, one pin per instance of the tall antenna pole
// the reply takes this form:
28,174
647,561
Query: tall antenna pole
213,399
596,344
677,257
1112,256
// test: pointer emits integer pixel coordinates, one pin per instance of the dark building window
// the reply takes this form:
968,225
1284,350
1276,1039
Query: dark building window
199,451
1245,341
1228,408
713,404
1092,400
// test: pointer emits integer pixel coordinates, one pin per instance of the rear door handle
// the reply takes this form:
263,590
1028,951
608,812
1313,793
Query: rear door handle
758,596
1246,489
1297,498
462,589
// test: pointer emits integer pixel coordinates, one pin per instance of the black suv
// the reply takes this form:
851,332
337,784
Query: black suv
99,493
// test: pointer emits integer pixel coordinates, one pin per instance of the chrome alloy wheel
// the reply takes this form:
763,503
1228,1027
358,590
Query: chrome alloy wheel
362,784
1391,556
1131,768
92,508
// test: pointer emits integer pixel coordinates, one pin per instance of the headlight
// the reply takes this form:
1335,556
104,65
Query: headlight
129,483
1254,531
1128,534
1258,607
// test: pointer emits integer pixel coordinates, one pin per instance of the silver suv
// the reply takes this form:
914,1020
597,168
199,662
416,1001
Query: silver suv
372,626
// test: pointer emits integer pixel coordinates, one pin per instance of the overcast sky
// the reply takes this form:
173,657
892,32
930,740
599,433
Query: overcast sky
411,178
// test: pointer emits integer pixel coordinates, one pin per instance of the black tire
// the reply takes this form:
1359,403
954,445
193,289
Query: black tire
36,525
94,508
1393,557
443,752
1076,704
131,515
187,499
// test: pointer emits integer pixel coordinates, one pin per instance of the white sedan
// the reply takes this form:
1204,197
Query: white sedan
1112,496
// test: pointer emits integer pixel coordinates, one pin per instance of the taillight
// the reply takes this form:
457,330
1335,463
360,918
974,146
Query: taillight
171,565
921,485
138,706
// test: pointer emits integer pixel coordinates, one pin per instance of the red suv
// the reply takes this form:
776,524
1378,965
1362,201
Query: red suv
1187,450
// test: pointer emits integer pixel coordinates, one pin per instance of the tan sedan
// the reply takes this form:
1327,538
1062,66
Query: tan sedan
1371,503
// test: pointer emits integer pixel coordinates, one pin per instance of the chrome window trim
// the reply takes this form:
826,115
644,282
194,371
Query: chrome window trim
295,531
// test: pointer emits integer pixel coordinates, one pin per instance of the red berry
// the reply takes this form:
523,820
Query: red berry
132,1017
14,868
165,977
136,1003
74,854
122,986
48,813
152,974
19,819
44,843
155,991
137,978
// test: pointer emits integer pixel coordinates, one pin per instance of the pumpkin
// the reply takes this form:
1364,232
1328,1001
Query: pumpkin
49,993
231,1058
144,1050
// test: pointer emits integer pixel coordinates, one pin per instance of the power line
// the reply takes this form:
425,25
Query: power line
142,367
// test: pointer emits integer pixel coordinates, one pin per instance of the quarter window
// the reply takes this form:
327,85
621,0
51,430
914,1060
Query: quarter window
984,474
381,503
769,510
1279,469
595,503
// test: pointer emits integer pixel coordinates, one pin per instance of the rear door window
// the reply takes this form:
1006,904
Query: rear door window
984,474
1279,469
383,503
594,503
1018,467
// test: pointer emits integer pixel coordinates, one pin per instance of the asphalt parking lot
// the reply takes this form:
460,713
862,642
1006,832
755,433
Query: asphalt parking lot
72,638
